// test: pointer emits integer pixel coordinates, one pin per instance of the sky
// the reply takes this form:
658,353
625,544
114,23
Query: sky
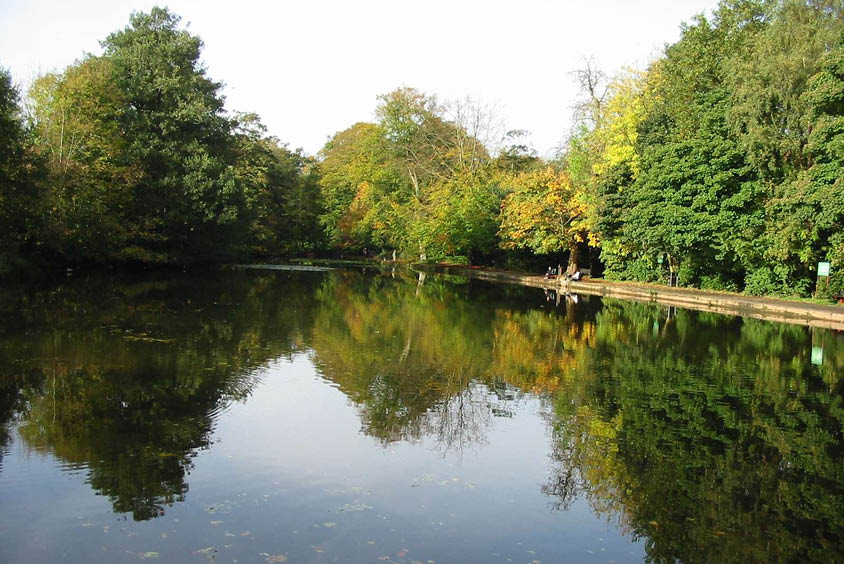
312,68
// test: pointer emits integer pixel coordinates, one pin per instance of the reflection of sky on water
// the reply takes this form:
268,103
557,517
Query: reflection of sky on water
272,416
290,474
453,506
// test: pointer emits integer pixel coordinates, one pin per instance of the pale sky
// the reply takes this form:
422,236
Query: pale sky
312,68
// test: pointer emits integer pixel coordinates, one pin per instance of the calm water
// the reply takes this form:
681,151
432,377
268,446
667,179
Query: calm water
271,416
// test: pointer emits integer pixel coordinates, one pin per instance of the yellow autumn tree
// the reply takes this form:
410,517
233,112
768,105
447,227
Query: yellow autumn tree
617,131
544,212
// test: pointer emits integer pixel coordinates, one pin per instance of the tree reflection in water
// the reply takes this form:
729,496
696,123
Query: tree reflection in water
714,438
126,378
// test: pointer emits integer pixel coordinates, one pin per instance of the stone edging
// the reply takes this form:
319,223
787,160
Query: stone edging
815,315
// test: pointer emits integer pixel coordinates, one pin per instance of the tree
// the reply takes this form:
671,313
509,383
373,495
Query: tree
356,183
190,204
91,183
808,214
19,174
768,77
280,190
516,155
695,199
544,212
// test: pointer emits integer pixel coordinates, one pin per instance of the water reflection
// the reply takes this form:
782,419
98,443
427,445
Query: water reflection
124,380
713,438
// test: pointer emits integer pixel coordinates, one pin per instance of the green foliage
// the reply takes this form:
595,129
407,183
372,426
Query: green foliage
145,166
280,190
178,138
20,198
90,184
724,157
807,212
416,182
737,131
768,78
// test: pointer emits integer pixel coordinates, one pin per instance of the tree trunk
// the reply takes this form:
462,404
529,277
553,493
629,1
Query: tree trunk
573,256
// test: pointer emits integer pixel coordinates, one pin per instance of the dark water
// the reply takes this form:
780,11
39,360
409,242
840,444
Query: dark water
271,416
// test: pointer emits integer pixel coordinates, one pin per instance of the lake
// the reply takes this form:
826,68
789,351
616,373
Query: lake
361,415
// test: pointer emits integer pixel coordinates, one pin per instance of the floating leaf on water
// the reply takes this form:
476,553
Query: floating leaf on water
215,523
150,555
370,542
329,524
207,550
317,548
272,558
245,533
354,507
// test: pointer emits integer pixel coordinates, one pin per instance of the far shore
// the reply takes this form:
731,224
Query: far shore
771,309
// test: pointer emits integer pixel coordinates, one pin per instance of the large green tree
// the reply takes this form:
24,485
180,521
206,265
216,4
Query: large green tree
808,213
188,203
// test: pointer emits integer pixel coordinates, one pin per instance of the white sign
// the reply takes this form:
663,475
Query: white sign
823,269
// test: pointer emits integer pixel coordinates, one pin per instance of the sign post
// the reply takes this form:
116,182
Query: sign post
823,270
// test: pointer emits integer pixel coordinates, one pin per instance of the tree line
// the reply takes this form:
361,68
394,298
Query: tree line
720,163
130,156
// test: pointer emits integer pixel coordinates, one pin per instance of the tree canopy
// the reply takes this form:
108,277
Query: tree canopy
719,162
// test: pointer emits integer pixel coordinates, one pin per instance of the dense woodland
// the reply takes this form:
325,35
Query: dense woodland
722,161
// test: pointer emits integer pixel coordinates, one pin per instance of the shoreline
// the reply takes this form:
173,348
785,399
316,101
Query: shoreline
769,309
